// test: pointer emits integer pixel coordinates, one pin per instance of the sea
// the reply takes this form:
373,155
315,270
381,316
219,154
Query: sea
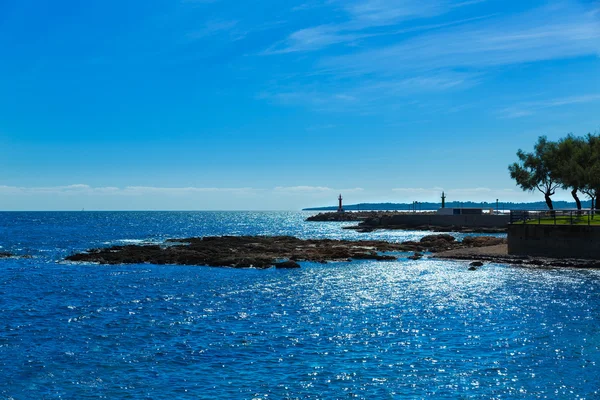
343,330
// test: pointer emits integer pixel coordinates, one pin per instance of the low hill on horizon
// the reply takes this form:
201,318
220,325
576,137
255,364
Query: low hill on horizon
539,205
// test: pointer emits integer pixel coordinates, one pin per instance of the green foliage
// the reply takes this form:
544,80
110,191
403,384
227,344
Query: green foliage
571,163
591,166
537,170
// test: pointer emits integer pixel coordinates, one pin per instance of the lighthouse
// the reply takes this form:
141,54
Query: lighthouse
340,208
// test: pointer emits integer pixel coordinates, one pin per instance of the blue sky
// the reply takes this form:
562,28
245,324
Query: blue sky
221,104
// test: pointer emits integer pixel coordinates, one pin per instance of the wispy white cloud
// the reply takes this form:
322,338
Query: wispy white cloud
456,56
362,26
525,109
212,28
543,34
367,13
314,38
319,100
79,189
367,95
76,197
198,1
313,190
189,198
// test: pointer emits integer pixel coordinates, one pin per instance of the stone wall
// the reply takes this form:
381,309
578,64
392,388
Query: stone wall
557,241
416,220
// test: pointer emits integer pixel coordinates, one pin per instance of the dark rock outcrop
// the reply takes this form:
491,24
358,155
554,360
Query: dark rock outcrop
482,241
287,265
267,251
242,252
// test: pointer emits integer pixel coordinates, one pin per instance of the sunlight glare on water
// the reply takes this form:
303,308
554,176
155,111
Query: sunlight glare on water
362,329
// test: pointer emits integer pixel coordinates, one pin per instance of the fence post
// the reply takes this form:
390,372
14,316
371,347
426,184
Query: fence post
571,217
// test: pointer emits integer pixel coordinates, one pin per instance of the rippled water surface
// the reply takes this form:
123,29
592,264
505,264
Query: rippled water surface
405,329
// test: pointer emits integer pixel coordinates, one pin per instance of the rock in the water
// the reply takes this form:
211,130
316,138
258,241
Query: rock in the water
340,216
242,252
433,238
438,242
476,264
287,265
472,268
482,241
416,256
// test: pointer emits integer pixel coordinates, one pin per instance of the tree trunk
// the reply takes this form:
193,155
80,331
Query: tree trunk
597,204
548,201
574,194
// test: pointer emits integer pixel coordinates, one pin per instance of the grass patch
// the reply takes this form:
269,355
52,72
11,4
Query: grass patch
563,220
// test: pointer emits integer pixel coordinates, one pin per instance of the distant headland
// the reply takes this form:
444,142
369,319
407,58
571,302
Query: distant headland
539,205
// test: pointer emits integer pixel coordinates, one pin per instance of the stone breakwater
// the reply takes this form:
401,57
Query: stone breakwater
370,221
265,252
350,216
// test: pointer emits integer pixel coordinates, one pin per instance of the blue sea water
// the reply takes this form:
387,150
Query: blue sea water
362,329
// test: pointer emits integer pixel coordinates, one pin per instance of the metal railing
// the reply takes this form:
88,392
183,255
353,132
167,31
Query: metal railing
555,217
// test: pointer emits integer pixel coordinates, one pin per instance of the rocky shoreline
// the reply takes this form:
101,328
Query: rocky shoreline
263,252
266,251
364,228
499,254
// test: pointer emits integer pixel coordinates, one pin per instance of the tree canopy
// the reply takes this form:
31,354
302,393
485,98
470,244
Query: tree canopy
572,163
537,170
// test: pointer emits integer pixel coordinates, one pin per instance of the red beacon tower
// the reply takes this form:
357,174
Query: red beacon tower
340,208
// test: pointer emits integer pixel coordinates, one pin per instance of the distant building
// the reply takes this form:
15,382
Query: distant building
460,211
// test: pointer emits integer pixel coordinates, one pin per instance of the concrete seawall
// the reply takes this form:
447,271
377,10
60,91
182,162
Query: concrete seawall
416,220
558,241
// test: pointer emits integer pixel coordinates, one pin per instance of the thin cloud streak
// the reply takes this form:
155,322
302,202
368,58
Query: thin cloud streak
530,108
362,96
319,37
543,34
78,189
212,28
